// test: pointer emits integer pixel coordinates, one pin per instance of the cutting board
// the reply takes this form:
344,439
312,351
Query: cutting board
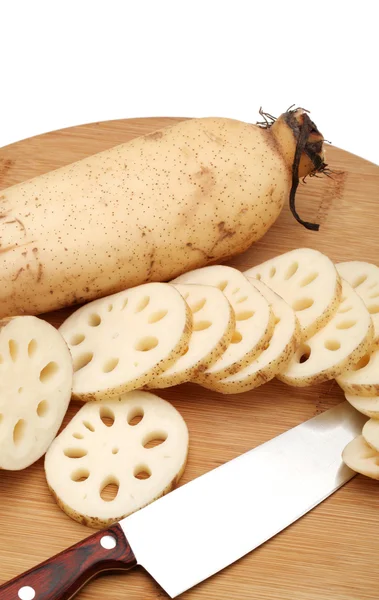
332,552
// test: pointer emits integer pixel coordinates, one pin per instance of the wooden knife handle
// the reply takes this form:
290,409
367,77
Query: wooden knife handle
62,576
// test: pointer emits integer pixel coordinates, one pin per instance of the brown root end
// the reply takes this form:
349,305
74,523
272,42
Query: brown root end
308,158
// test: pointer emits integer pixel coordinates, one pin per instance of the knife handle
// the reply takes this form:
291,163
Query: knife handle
62,576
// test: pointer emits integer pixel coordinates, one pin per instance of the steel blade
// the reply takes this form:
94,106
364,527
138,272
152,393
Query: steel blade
207,524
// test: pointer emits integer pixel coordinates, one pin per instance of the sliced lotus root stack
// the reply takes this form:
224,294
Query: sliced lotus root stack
364,278
362,379
308,281
370,433
274,359
35,389
254,319
212,331
115,457
368,406
120,342
360,457
335,348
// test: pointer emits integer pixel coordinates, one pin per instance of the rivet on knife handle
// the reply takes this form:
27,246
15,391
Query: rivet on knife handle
62,576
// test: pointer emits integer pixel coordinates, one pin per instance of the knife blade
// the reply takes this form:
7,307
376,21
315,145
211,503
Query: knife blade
212,521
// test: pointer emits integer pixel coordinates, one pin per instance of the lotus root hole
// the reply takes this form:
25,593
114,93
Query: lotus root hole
376,295
236,290
115,450
373,309
291,270
308,279
346,324
13,349
157,316
277,320
82,361
94,320
361,279
196,306
20,390
110,365
222,285
142,472
42,408
88,426
75,452
32,347
110,307
272,272
135,416
48,372
78,436
142,304
19,431
154,439
242,299
344,309
302,304
363,362
124,304
80,475
201,325
77,339
244,315
258,276
147,343
236,337
107,416
304,354
332,345
109,489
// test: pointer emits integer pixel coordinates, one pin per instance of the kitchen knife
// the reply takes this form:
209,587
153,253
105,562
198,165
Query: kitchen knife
207,524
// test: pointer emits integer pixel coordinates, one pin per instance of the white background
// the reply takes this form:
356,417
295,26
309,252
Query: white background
76,61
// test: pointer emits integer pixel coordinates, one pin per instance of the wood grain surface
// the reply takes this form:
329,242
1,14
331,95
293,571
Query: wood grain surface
332,552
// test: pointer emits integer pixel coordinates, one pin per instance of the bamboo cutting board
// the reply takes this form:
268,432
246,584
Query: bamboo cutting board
332,552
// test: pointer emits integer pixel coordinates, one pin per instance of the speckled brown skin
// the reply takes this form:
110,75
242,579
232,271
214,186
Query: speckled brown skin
200,191
336,370
263,375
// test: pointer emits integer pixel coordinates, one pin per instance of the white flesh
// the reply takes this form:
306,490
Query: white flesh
120,342
335,348
35,389
308,281
103,446
366,405
363,378
370,433
212,330
360,457
275,357
364,278
254,319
